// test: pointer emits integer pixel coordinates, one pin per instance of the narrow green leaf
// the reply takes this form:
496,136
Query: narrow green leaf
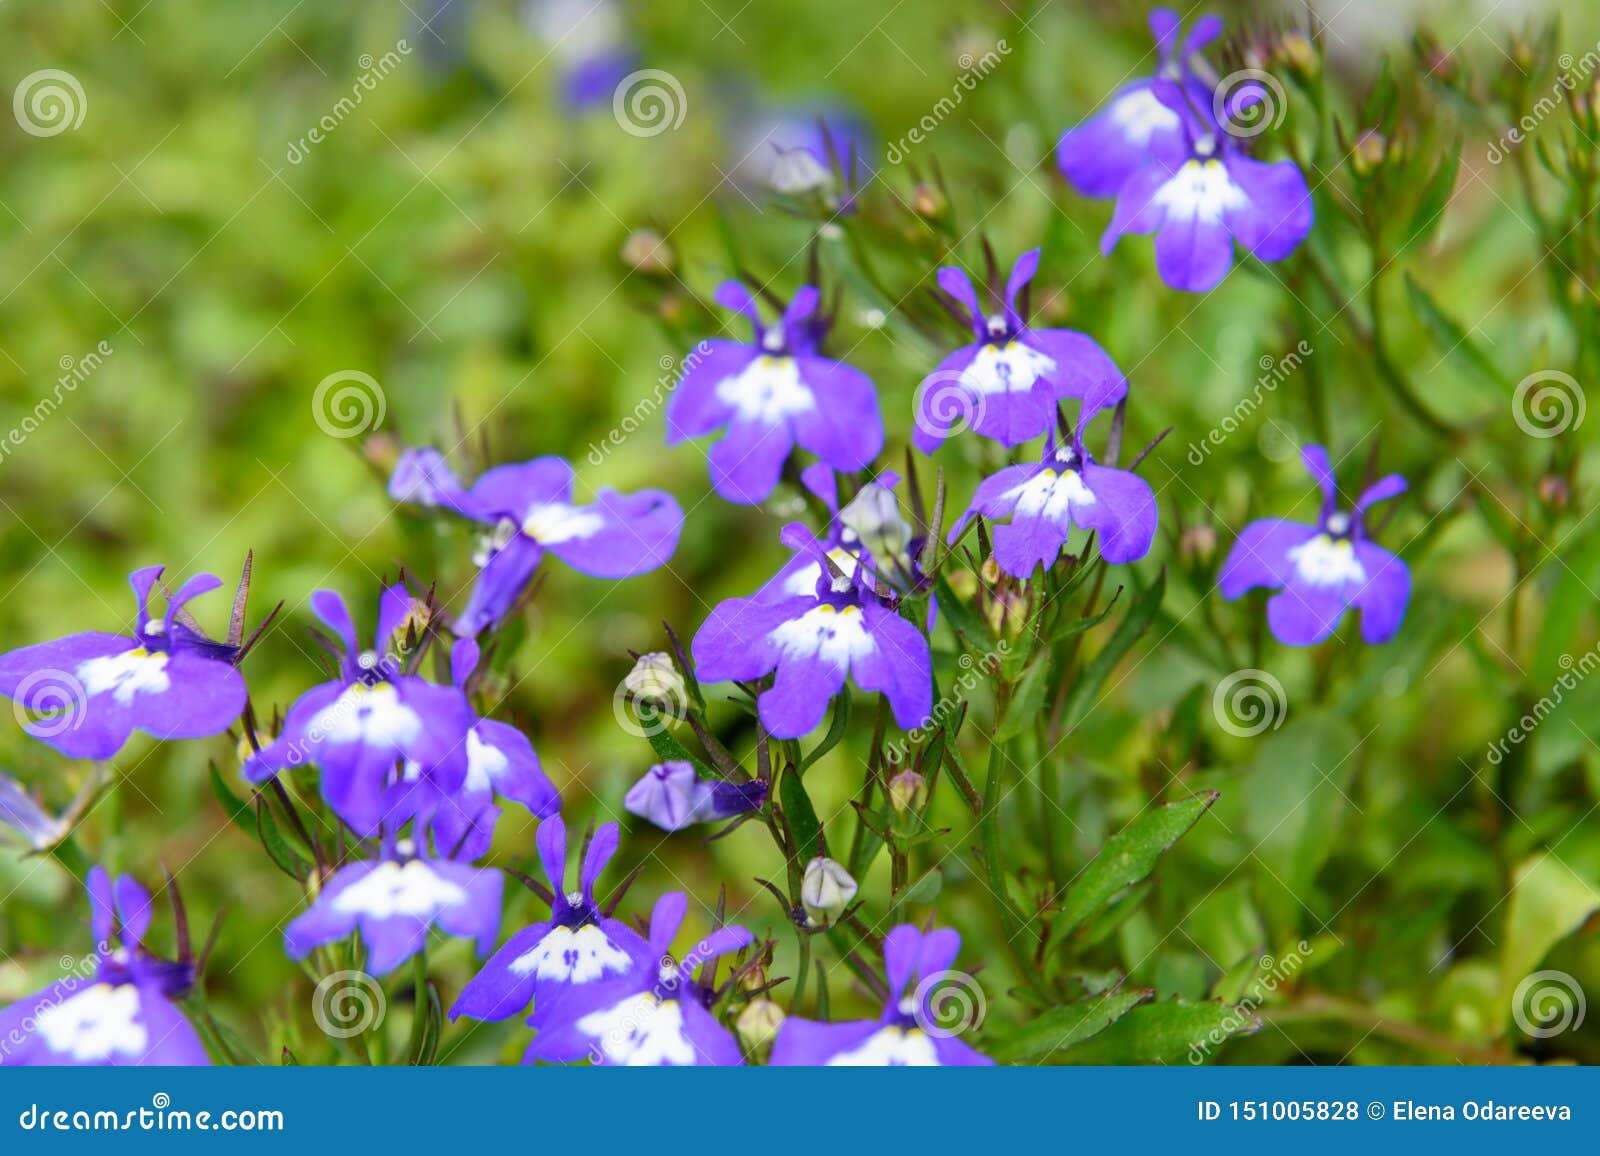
1170,1032
1061,1027
669,749
1448,335
841,720
237,810
1435,197
1548,902
1027,701
286,857
802,816
1127,857
1081,699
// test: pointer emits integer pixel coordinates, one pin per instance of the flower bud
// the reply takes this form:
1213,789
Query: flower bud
873,515
1197,544
655,680
929,201
647,251
908,792
1370,150
758,1025
1296,50
1554,491
826,891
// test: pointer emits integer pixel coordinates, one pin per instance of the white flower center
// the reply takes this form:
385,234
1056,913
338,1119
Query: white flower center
890,1046
96,1024
573,955
640,1031
768,390
804,580
485,763
1009,368
392,889
366,714
1200,191
1140,115
834,636
1051,495
1326,561
125,674
555,522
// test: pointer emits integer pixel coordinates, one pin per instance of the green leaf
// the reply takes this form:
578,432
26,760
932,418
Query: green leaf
238,811
669,749
1081,699
1168,1032
1294,798
1127,857
289,860
962,617
1548,902
924,890
1435,197
1027,701
841,720
1448,336
802,816
1069,1024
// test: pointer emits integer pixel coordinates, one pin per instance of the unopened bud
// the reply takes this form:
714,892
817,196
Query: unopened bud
826,891
758,1025
647,251
1554,491
1197,544
655,680
1296,50
908,792
1370,150
928,200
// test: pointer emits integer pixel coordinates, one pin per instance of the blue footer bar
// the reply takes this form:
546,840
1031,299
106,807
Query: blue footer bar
934,1110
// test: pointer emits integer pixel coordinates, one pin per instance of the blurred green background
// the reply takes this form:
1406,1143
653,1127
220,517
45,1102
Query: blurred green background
460,237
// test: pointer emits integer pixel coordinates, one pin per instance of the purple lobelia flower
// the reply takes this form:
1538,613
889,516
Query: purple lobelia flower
588,41
1198,204
793,150
1005,385
120,1014
673,796
530,508
869,531
1136,126
371,720
908,1034
1045,501
394,900
1321,571
500,762
657,1016
813,642
94,689
771,394
577,948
